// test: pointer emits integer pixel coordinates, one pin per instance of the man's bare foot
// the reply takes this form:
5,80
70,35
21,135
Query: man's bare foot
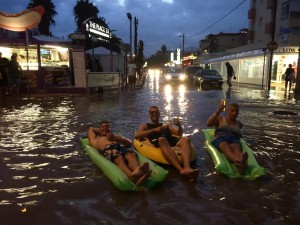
245,158
143,178
140,171
191,174
240,167
242,164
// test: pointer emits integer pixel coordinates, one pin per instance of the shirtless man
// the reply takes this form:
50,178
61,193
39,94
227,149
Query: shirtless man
168,145
118,150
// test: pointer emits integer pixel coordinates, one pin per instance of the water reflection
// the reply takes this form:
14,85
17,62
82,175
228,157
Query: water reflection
207,87
43,163
154,80
228,92
34,135
176,102
31,125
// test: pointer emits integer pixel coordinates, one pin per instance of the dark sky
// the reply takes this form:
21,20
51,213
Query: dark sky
159,21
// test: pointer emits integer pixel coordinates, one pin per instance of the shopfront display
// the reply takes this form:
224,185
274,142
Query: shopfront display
253,67
50,56
42,65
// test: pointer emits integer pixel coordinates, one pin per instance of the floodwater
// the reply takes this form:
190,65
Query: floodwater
46,177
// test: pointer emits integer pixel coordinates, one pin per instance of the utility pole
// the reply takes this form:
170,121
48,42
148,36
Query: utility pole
136,22
297,87
182,46
182,54
273,37
130,19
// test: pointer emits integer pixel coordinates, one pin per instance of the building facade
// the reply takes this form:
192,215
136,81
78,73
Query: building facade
221,42
256,62
278,18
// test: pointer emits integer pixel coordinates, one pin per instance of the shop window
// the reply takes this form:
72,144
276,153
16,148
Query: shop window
285,10
251,68
54,56
260,21
51,56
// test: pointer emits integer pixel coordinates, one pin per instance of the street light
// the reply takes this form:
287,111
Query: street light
273,37
130,19
136,22
182,47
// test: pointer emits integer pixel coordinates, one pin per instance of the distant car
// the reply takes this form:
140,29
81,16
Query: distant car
190,71
174,75
208,77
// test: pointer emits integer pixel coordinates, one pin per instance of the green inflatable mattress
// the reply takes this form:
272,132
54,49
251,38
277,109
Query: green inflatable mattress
222,165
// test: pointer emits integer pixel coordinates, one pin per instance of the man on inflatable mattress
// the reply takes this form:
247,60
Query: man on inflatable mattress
162,136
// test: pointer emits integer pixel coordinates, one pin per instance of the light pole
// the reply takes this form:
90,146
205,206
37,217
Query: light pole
182,54
263,75
136,22
297,85
273,37
130,19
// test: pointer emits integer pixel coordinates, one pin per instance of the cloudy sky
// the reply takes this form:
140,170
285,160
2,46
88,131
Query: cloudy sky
159,21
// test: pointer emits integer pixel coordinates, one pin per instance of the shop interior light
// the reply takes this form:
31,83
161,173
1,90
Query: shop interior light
61,49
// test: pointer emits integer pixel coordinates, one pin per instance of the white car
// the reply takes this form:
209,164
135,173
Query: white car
175,75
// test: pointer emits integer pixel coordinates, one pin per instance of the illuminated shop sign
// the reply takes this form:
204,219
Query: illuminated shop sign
289,49
190,57
96,29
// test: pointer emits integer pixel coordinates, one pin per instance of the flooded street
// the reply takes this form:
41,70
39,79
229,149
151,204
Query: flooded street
47,178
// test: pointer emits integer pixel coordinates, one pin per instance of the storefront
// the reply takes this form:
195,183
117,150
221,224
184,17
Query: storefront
98,34
253,67
46,62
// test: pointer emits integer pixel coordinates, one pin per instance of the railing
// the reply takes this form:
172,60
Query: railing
103,80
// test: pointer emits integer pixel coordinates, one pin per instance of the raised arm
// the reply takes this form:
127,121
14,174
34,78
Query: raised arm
92,133
214,118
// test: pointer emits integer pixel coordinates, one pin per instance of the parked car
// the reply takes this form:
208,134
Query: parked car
190,71
208,77
174,75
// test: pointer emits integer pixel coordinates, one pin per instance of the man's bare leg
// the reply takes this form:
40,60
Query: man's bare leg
171,157
185,145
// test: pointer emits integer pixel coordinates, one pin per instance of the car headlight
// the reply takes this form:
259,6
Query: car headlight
168,77
182,77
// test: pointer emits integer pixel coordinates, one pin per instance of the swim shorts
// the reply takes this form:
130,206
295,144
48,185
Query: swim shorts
230,139
114,150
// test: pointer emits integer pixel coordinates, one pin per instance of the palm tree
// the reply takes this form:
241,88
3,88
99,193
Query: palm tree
164,48
115,41
47,19
83,10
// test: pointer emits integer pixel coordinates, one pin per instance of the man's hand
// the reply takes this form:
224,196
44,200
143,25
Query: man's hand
176,122
110,136
163,129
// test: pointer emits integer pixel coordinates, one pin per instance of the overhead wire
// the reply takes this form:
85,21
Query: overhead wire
217,20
